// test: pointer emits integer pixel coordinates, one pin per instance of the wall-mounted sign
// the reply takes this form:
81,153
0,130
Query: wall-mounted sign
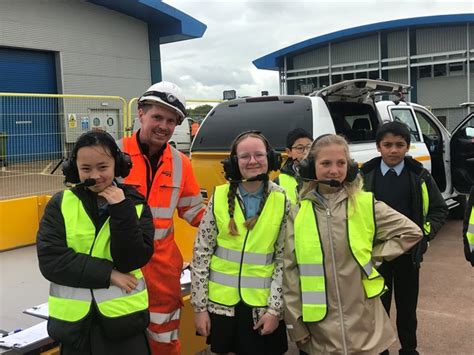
72,120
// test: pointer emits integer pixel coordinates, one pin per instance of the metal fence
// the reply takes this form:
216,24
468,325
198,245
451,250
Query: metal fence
37,131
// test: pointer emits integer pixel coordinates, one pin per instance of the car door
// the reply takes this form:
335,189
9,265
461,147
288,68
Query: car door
462,155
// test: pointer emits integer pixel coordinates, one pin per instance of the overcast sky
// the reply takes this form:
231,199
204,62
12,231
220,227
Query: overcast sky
240,31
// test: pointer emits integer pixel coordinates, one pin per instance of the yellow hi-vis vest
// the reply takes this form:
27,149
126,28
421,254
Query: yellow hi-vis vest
470,231
310,254
426,206
71,303
290,185
242,266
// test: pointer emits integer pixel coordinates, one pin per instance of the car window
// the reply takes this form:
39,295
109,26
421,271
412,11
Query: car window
355,121
274,119
405,115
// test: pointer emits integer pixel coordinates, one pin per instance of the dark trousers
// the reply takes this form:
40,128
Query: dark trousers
402,277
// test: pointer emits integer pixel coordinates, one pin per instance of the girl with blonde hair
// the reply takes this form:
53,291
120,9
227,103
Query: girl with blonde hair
331,287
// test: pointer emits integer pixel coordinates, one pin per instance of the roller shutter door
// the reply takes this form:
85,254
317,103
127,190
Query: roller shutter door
31,124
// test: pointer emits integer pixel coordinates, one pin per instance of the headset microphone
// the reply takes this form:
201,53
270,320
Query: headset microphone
259,177
332,182
85,183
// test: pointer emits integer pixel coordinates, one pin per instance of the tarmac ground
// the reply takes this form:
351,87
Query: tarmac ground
445,309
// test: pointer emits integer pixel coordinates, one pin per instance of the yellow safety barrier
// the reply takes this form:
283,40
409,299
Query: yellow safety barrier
19,221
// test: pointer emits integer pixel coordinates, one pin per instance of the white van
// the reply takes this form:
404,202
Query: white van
349,108
181,138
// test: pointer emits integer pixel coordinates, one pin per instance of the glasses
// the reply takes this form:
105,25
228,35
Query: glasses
301,148
258,156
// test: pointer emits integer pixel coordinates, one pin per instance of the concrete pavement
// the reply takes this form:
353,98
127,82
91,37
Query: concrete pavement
445,311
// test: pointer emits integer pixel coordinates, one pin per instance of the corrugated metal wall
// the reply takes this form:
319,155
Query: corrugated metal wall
316,58
440,39
442,92
397,44
398,76
100,51
356,50
471,36
456,115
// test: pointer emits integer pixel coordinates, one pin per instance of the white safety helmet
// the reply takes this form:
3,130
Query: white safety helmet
166,94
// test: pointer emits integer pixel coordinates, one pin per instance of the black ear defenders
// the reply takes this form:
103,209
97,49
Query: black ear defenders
307,167
123,161
231,164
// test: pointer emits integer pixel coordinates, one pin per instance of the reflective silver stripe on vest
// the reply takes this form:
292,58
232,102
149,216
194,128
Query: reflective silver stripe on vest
161,233
190,201
368,268
313,297
470,228
311,269
166,337
70,293
471,246
113,292
245,281
167,212
191,213
249,258
161,318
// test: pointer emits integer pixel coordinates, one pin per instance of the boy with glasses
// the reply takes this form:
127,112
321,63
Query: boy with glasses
298,143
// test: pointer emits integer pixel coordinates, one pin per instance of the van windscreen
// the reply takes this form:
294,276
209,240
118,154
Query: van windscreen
273,118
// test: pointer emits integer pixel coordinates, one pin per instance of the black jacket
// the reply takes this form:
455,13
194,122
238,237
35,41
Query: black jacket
289,168
131,246
438,210
467,251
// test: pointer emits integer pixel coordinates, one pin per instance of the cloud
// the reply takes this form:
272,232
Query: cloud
239,32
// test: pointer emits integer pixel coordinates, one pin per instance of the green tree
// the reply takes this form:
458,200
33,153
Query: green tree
199,112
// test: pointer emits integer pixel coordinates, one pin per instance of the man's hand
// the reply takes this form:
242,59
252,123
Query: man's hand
112,194
202,322
126,282
267,324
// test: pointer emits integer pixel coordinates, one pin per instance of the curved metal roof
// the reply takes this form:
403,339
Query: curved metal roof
271,61
168,23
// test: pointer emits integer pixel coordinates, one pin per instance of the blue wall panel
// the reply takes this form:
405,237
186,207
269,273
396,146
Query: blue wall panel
31,124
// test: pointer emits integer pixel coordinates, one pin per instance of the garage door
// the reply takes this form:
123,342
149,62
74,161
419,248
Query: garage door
30,124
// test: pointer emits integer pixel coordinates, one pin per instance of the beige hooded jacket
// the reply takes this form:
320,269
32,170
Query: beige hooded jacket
353,324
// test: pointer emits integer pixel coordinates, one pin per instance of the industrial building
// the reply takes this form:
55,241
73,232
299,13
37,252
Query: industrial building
432,54
92,47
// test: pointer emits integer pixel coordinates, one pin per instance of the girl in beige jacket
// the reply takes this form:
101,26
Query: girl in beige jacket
351,323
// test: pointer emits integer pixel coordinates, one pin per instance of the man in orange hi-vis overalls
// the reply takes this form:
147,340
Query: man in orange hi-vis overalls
164,176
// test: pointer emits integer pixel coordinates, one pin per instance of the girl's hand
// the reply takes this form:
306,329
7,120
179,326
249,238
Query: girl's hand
126,282
267,324
202,322
112,194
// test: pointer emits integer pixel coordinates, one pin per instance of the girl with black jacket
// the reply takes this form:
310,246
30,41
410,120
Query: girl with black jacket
92,242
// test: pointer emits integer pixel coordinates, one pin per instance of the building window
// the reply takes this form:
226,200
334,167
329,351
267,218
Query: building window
348,76
439,70
374,74
336,78
456,69
361,75
323,81
424,71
